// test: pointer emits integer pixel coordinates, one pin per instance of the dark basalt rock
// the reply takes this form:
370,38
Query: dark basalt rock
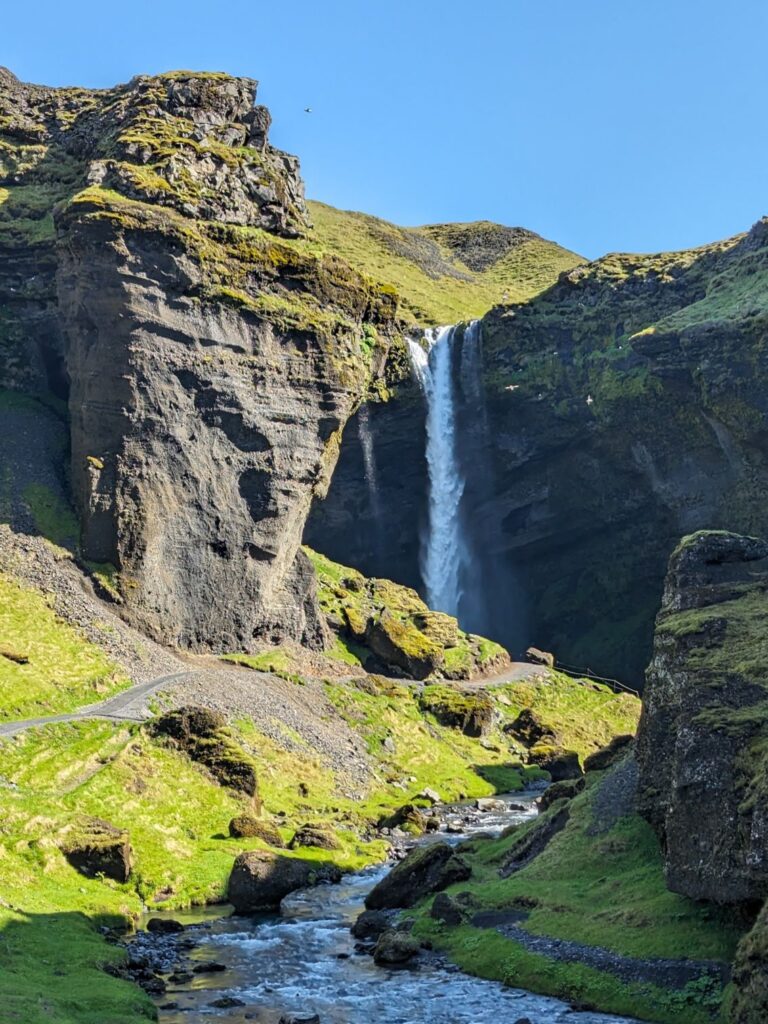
426,869
609,755
565,790
561,764
703,782
395,947
447,910
260,879
535,840
529,729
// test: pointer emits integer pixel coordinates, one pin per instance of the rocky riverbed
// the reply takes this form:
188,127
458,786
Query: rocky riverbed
306,965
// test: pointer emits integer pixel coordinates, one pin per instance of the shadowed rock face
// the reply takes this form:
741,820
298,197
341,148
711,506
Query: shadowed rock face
701,745
625,407
210,358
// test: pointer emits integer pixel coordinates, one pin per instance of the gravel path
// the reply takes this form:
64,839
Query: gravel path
674,974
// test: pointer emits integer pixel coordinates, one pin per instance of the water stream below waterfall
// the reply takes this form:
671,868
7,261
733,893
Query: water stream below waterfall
305,962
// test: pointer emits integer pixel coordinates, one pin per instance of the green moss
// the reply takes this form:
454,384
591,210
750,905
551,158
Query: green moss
53,517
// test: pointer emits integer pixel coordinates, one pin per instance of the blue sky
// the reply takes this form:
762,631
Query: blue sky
625,125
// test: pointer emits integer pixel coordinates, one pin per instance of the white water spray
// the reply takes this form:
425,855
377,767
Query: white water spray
369,460
442,546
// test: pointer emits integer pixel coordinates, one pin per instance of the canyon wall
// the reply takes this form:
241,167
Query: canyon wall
209,355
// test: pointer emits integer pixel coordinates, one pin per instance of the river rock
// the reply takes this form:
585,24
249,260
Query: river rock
409,818
371,923
292,1018
260,879
164,926
395,947
426,869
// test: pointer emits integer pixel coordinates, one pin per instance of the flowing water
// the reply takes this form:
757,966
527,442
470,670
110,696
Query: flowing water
440,561
304,962
369,461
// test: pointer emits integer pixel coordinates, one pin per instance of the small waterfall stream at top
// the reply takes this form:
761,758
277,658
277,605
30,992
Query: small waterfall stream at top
443,543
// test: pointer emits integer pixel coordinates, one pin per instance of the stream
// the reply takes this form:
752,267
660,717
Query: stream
303,962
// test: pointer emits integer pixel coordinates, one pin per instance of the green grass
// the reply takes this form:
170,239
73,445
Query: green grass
53,517
433,284
63,671
603,889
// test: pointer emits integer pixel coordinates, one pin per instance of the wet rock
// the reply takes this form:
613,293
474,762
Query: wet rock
260,879
247,826
487,803
432,824
395,947
164,926
291,1018
426,869
94,847
319,834
181,977
209,967
371,923
227,1003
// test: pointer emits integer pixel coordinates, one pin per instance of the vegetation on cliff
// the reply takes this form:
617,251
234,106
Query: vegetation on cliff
443,273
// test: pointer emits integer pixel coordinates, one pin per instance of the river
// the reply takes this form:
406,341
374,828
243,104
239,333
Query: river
304,962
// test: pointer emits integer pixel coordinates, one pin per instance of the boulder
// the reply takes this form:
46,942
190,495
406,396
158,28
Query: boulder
260,879
446,910
318,834
371,923
540,657
401,643
425,870
529,729
472,713
409,818
247,826
164,926
300,1018
561,764
565,790
430,794
395,947
94,847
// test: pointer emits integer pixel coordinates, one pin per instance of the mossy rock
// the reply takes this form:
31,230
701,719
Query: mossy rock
530,730
409,818
561,764
402,644
246,826
472,713
318,834
94,847
395,947
426,869
204,737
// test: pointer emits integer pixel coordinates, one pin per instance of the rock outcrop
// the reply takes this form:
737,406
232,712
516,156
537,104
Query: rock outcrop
623,407
152,259
701,742
96,848
426,869
260,879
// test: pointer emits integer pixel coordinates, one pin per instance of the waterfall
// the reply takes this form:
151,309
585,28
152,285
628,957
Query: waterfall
442,545
369,461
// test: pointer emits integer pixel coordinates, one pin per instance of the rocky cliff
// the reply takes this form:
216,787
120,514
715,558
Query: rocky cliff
625,406
154,274
701,745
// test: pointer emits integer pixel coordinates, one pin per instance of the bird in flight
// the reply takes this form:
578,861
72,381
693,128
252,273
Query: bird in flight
307,110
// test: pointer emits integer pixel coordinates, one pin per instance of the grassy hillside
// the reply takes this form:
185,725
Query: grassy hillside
444,272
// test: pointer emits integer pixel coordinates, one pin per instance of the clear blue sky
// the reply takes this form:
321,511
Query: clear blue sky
604,124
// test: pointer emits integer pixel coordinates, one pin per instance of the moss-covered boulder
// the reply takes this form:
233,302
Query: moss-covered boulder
426,869
394,631
247,826
318,834
204,736
565,790
95,847
260,879
529,729
470,712
409,818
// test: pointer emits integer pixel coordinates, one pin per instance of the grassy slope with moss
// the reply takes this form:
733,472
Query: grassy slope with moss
425,264
50,778
600,886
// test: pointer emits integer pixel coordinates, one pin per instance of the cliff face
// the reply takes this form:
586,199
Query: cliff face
625,406
702,736
210,355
